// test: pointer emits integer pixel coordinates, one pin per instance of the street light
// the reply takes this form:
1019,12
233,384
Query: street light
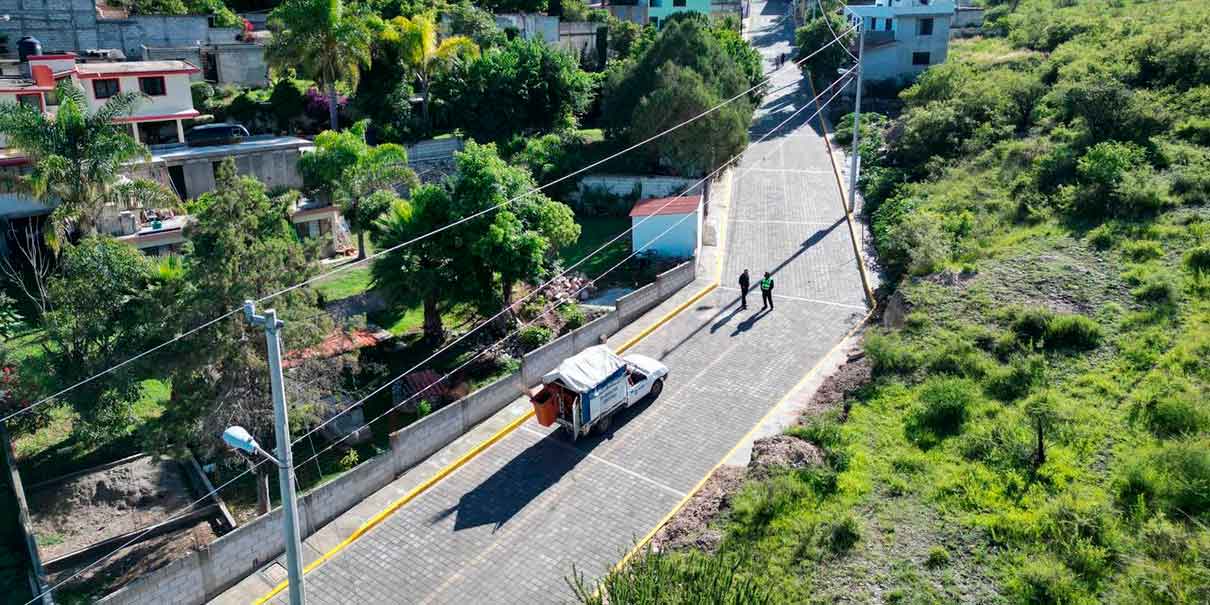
239,438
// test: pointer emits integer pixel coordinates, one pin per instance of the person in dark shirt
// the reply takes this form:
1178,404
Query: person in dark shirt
766,292
744,284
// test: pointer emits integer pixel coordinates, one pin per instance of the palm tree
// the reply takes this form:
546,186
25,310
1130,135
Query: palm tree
381,169
322,40
78,157
421,54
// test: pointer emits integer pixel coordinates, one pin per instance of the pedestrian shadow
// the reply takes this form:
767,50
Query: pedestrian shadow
747,324
527,475
722,322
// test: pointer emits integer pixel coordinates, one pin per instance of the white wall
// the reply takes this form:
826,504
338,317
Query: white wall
176,100
681,242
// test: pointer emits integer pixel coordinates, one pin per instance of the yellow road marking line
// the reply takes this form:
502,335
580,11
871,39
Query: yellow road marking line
642,543
463,459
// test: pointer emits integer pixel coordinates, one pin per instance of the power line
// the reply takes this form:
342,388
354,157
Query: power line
824,15
483,351
409,242
557,303
533,292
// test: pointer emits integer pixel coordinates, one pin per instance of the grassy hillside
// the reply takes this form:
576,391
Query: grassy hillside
1037,428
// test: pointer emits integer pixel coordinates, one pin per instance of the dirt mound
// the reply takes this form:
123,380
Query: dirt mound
689,528
849,377
84,509
781,451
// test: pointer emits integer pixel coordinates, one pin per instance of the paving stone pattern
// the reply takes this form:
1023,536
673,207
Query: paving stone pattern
508,526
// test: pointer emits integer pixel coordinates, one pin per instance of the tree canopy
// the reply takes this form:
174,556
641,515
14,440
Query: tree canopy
520,87
324,40
465,264
636,96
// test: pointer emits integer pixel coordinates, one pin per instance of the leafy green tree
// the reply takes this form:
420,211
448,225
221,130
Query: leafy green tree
422,56
347,168
515,6
518,88
470,262
288,101
687,42
323,40
382,169
77,156
242,246
101,313
466,19
698,147
816,33
746,58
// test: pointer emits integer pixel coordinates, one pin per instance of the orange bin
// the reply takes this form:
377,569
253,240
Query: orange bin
546,406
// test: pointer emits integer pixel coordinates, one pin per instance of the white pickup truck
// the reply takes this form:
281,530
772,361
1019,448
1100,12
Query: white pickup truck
583,392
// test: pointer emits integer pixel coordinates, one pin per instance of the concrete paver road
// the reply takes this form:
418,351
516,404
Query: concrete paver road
508,526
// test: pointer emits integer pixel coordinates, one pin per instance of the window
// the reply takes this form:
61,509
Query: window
103,89
153,86
920,58
888,24
655,22
32,101
925,27
680,3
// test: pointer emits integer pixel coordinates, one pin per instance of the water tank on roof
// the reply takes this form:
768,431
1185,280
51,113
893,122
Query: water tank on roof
27,46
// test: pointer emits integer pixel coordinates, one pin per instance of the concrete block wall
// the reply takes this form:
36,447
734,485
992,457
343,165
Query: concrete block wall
430,150
636,303
242,64
57,24
543,359
203,575
596,331
132,33
649,186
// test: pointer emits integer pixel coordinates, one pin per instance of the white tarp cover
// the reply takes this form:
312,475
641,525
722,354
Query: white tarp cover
586,370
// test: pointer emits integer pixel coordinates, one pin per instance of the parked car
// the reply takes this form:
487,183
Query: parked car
215,134
585,390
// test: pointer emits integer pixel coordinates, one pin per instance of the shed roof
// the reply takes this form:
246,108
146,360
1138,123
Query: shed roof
667,205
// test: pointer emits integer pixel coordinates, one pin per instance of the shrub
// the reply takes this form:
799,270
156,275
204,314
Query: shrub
942,407
201,92
1102,237
1143,250
673,578
572,315
532,337
1158,286
841,535
1197,260
349,460
1172,405
1174,478
1042,580
424,408
1031,324
1073,332
1017,378
823,431
890,354
1001,443
938,557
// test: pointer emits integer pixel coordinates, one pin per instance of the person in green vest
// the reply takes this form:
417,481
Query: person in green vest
766,292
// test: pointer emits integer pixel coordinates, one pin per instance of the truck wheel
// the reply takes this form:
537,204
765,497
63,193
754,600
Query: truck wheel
657,388
603,425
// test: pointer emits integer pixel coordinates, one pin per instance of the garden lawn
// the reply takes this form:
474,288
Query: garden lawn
594,232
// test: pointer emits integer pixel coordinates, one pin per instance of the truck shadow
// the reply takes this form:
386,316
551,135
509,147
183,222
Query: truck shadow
527,475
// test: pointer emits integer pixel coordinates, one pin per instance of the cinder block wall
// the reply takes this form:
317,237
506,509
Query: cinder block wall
203,575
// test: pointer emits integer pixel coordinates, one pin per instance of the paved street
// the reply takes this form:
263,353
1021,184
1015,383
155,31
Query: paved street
508,526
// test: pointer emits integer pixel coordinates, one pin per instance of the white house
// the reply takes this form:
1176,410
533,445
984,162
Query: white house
159,116
902,37
664,214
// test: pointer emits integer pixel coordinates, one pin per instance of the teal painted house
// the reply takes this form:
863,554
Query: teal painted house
659,10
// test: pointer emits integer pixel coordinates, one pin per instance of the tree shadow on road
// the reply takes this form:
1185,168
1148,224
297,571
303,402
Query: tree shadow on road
526,476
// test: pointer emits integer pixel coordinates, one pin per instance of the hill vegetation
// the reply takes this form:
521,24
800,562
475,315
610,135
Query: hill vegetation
1036,428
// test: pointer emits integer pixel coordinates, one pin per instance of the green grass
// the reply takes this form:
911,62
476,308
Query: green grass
55,450
594,232
592,135
349,282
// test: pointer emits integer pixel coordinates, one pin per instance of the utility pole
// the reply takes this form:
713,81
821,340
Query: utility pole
285,460
855,160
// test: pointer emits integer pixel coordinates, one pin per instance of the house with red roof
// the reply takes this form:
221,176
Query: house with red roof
667,226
